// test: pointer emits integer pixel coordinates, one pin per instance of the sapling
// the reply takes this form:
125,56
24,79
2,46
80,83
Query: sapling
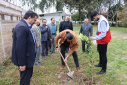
86,39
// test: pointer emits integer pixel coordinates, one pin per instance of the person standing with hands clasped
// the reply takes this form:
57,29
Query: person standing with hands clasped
66,24
45,37
24,47
103,38
53,29
68,38
86,29
36,32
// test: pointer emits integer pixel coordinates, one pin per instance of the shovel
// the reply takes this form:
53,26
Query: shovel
70,73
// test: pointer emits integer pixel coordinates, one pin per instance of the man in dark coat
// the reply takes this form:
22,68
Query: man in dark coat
66,24
24,47
45,37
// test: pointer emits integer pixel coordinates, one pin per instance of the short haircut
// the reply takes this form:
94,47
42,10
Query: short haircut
86,18
30,14
67,15
43,20
93,13
69,35
52,18
37,20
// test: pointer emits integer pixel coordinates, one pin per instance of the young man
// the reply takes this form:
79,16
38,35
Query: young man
68,39
36,32
86,29
45,37
24,47
53,29
103,38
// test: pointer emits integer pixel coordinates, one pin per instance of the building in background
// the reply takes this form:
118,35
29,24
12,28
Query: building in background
59,16
10,12
10,15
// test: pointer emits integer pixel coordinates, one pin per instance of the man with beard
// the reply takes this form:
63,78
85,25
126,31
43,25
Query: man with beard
103,37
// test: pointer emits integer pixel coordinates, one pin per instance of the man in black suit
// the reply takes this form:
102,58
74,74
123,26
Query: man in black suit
24,47
66,24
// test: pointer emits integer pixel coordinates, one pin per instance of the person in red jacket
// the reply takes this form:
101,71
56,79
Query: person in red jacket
103,38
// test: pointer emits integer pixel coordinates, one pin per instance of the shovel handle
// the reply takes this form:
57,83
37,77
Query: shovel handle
65,62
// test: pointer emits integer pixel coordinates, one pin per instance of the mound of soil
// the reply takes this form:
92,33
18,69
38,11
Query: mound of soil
79,78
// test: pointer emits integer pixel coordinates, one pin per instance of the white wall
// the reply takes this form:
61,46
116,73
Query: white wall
48,18
9,8
7,17
58,17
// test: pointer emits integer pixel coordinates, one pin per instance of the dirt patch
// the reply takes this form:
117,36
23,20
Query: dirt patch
79,79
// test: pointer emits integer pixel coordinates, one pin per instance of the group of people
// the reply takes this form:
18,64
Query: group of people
30,41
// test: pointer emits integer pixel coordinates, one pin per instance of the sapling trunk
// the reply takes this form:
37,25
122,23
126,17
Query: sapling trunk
85,38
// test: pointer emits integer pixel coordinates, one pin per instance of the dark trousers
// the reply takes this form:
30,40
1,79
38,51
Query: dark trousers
75,56
97,47
102,48
25,76
45,45
67,49
50,45
83,46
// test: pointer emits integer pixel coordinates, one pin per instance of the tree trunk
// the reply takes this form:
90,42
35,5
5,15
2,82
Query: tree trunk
80,13
116,21
89,17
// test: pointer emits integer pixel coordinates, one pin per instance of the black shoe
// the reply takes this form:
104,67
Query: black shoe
87,53
83,51
43,57
98,65
50,52
37,64
101,72
48,56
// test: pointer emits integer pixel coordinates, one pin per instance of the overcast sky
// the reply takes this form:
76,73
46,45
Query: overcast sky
50,10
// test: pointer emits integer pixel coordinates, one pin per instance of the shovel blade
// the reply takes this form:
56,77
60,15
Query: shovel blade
70,74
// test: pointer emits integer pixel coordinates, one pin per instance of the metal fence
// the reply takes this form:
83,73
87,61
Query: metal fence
6,39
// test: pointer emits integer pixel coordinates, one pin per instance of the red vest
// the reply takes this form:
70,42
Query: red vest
106,39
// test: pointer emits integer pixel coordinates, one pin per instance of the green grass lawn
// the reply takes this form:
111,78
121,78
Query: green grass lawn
47,73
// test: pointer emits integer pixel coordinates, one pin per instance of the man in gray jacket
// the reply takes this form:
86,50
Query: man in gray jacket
53,29
36,32
86,29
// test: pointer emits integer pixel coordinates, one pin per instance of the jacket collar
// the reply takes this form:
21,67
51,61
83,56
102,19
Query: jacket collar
29,25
